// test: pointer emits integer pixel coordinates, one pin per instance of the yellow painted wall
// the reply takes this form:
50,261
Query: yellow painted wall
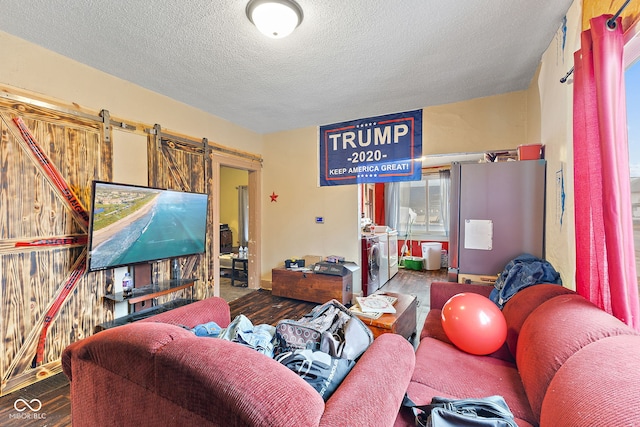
556,130
291,172
288,224
290,167
27,66
481,124
230,179
593,8
533,111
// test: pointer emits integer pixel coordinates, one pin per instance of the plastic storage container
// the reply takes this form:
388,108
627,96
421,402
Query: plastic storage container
530,152
413,263
432,254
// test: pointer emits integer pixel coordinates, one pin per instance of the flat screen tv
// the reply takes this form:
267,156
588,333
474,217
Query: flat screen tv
132,224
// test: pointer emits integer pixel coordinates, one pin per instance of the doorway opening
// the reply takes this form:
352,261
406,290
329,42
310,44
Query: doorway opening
234,232
237,243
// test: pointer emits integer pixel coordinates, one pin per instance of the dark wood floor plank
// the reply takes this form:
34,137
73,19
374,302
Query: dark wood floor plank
262,307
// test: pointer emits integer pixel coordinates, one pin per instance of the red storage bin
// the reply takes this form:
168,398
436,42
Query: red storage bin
530,152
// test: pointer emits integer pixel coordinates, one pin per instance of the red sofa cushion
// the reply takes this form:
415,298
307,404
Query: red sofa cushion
440,292
237,391
609,391
553,333
443,370
106,349
520,306
383,388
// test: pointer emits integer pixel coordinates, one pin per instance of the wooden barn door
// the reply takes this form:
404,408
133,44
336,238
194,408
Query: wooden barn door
47,301
180,164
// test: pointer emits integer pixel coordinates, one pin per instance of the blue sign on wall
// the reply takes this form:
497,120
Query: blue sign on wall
376,149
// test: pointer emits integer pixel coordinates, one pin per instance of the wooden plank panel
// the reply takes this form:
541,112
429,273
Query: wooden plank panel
28,290
25,109
181,166
30,206
31,210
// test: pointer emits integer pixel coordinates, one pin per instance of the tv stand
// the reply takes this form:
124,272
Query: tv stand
151,291
146,293
139,315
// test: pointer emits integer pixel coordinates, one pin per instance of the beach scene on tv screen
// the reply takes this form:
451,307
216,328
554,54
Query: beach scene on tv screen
134,224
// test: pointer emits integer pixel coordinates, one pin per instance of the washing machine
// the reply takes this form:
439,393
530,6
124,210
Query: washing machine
392,247
370,264
383,276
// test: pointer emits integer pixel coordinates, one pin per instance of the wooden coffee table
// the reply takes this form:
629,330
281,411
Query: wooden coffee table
402,322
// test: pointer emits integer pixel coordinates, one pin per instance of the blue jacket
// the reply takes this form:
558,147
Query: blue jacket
521,272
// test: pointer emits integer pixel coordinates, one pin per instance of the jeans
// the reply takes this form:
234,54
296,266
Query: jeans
259,337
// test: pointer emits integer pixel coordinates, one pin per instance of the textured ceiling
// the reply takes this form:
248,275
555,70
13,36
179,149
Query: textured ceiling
347,60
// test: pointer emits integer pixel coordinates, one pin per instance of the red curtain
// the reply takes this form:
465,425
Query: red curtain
605,260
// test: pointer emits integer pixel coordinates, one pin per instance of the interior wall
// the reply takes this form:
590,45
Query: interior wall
556,133
592,8
230,180
79,86
290,158
481,124
45,72
533,111
291,173
289,227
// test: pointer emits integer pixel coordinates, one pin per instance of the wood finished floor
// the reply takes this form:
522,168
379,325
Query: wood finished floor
259,306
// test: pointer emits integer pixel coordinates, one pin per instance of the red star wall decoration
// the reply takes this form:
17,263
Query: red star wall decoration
274,196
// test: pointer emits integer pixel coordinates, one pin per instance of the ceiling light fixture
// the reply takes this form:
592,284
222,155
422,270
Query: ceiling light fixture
274,18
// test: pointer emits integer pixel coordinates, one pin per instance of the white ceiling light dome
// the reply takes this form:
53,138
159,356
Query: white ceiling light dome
274,18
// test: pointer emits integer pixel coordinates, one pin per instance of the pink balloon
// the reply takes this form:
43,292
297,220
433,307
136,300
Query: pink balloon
474,323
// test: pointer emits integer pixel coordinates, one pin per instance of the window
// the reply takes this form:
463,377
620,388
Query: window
632,83
420,207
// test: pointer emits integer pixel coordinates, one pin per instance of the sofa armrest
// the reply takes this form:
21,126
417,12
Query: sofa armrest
440,292
372,393
213,381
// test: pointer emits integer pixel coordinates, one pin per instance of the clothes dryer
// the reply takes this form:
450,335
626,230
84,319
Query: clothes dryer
383,276
370,264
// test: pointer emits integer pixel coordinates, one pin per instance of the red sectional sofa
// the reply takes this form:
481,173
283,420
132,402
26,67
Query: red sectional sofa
565,362
154,373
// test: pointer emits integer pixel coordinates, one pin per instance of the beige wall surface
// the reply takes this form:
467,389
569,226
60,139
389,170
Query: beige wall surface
291,171
129,158
481,124
288,224
290,167
27,66
533,111
556,106
230,179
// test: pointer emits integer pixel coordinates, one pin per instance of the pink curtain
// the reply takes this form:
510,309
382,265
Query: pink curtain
605,260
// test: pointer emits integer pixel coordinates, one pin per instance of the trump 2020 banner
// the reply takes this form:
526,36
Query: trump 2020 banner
376,149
